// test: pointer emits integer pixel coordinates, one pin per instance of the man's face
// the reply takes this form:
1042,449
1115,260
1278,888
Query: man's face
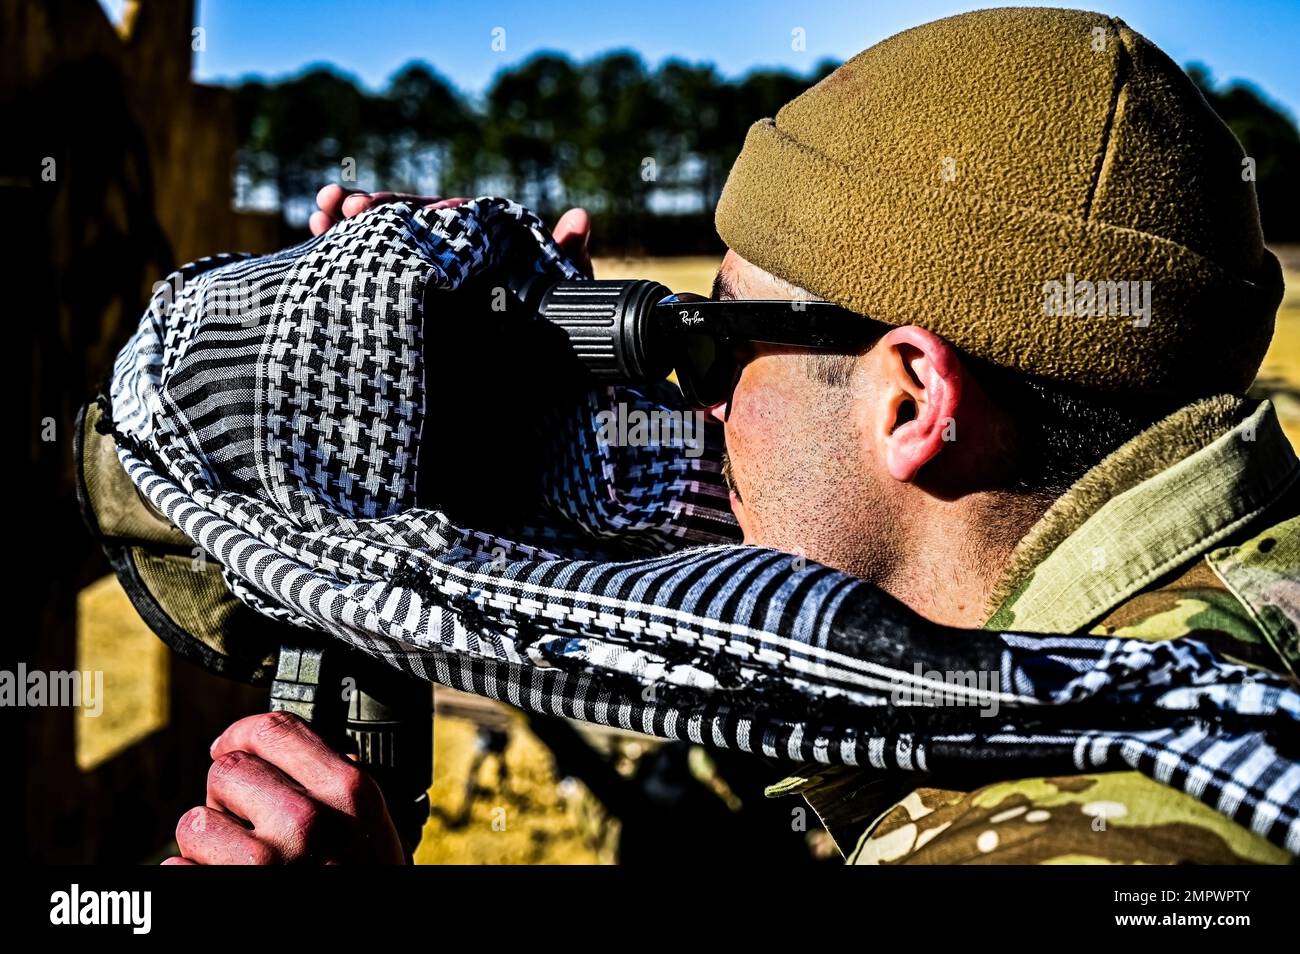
800,464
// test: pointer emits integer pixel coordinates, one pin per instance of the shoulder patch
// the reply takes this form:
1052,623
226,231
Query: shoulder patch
1264,575
1197,603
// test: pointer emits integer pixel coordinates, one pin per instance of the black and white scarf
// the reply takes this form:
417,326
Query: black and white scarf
272,408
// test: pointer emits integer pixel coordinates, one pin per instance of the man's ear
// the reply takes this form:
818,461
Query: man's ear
921,384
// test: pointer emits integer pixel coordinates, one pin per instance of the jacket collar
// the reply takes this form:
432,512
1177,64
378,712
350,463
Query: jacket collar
1113,546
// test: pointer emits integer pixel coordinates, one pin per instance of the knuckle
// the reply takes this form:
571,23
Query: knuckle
356,789
190,826
303,821
271,727
260,853
301,815
226,766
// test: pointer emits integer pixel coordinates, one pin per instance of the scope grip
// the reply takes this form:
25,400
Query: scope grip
610,327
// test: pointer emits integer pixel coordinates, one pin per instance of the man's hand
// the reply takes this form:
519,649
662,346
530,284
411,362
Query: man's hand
335,203
278,794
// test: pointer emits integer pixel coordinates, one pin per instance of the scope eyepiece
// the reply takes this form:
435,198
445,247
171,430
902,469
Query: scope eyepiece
610,324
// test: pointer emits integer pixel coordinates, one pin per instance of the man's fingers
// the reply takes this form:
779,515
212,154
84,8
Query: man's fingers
330,200
281,813
177,860
289,744
209,837
358,202
572,233
573,229
319,222
335,203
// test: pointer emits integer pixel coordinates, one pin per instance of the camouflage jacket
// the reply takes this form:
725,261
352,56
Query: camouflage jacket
1190,528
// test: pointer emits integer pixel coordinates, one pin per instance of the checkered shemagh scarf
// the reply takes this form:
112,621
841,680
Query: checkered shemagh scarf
272,409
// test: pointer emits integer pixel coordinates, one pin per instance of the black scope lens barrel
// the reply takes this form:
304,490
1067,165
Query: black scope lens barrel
610,324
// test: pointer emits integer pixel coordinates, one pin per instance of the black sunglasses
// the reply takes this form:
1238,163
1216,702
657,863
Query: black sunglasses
709,339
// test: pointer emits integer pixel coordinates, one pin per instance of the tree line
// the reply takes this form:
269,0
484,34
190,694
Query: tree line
633,144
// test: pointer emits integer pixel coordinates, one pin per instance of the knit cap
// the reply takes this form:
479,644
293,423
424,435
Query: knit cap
1043,188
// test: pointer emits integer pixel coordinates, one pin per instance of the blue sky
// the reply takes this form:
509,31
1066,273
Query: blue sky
1251,40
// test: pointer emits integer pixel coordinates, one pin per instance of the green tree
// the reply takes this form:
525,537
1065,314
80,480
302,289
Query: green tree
532,131
624,135
698,111
420,129
1269,136
299,132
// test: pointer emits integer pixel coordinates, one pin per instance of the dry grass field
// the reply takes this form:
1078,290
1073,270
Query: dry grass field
532,816
1279,377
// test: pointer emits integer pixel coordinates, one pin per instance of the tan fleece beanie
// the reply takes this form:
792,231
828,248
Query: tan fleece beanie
1043,188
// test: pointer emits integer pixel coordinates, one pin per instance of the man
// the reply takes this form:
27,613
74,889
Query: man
1051,231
